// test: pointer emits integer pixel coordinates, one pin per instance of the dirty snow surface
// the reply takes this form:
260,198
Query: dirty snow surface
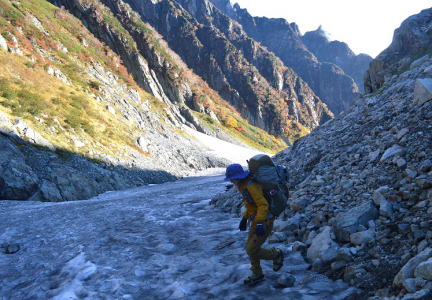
155,242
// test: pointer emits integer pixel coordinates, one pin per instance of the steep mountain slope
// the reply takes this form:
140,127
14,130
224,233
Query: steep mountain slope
74,122
276,100
361,184
327,80
339,54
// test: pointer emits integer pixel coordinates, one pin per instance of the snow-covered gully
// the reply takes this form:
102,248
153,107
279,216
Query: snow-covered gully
156,242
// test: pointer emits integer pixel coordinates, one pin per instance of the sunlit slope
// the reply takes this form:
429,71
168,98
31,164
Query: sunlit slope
76,92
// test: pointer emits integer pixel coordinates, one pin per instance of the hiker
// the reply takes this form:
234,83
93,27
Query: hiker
260,221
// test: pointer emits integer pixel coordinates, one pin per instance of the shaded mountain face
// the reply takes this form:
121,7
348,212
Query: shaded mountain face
411,41
339,54
328,80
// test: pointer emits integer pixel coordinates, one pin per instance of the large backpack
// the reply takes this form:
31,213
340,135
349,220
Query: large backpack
273,180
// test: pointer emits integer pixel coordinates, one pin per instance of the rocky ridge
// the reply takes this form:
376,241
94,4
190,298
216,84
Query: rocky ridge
264,91
338,53
361,189
410,42
327,80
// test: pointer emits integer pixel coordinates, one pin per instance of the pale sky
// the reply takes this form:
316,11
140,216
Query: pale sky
367,26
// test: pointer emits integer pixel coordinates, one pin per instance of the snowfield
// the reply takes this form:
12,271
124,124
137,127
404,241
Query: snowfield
155,242
223,149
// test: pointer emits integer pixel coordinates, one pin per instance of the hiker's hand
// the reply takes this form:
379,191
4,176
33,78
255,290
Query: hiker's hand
260,229
242,225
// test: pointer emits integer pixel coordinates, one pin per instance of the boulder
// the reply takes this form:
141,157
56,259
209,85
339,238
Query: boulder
424,270
406,274
286,280
386,208
348,222
423,91
392,151
298,204
424,294
323,247
50,192
362,237
31,135
74,185
17,180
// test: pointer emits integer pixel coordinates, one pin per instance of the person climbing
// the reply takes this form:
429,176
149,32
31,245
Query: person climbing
260,221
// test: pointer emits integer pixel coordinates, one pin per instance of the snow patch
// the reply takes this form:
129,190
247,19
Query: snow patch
223,149
76,271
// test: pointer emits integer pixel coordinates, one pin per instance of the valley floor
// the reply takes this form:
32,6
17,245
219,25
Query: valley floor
155,242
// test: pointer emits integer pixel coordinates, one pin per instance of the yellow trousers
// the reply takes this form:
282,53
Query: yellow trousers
254,250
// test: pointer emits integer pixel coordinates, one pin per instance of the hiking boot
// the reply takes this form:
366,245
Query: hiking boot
278,261
254,279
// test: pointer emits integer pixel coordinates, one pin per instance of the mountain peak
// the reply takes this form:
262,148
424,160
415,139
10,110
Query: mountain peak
319,33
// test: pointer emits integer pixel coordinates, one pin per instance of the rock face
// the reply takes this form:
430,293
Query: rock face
411,41
265,91
337,53
326,79
366,175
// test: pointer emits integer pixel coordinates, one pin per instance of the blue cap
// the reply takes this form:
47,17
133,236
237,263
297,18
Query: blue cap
235,171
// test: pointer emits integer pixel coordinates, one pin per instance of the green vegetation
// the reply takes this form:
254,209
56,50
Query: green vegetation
20,100
52,106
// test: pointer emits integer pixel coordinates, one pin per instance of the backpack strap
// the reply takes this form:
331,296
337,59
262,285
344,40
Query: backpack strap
246,195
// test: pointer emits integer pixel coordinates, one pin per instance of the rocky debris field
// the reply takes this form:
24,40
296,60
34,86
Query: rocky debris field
361,191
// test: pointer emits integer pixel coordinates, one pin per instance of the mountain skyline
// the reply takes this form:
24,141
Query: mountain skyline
366,26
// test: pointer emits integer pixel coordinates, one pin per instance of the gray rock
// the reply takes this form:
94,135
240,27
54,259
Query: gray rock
386,209
410,173
419,62
50,192
426,166
373,156
323,247
402,278
424,270
344,254
400,162
428,70
277,237
58,74
423,91
402,133
298,204
378,195
31,135
286,280
424,294
392,151
338,264
410,285
348,222
362,237
17,180
74,185
11,248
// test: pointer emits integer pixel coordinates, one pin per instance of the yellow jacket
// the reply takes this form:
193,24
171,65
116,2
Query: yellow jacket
256,207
